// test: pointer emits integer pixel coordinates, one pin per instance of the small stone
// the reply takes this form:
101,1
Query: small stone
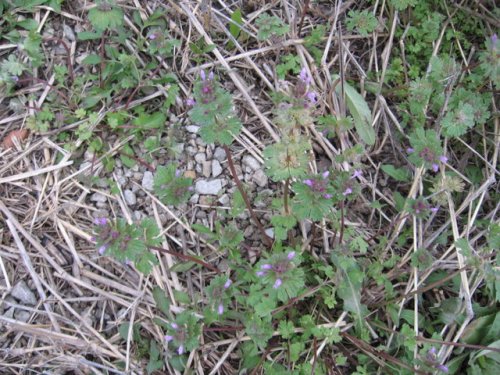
190,174
224,199
200,157
9,314
248,231
260,178
68,33
251,162
220,154
147,180
192,129
194,198
22,316
98,197
205,201
23,293
121,180
207,169
191,150
216,168
208,187
270,232
130,197
137,215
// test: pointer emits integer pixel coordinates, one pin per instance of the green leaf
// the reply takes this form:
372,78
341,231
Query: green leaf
92,59
286,329
155,120
105,16
399,174
182,297
89,35
235,26
155,363
161,300
360,112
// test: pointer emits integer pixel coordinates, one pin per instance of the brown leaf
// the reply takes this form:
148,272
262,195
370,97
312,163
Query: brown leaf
20,134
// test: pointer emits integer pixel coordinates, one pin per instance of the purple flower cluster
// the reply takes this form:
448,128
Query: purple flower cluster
302,91
207,90
278,268
319,185
179,335
429,156
432,359
420,207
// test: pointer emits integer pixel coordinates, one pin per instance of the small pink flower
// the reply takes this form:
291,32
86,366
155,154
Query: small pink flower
260,273
152,36
220,309
327,196
190,102
443,159
180,350
203,76
357,173
102,249
291,255
228,283
325,174
308,182
178,173
347,192
434,209
190,188
211,76
442,368
266,267
174,325
168,338
410,150
304,76
435,167
312,97
277,283
102,221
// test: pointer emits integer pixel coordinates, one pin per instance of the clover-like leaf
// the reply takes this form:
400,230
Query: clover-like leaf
106,15
171,188
286,160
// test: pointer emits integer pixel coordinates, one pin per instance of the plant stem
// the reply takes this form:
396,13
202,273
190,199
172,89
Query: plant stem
186,257
285,195
266,238
341,235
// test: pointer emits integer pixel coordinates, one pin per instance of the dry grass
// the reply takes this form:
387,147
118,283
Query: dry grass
46,227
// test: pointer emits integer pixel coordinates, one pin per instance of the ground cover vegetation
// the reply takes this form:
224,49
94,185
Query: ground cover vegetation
249,187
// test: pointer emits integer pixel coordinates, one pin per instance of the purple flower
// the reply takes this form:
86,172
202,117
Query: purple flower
494,40
291,255
174,325
220,309
211,76
102,249
190,102
443,159
260,273
442,368
347,192
304,76
431,354
127,262
178,173
180,350
309,182
203,76
100,221
168,338
435,167
312,97
327,196
410,150
190,188
434,209
266,267
152,36
277,283
228,283
115,234
357,173
14,78
92,239
325,174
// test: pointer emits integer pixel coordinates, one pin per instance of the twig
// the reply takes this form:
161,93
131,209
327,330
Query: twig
186,257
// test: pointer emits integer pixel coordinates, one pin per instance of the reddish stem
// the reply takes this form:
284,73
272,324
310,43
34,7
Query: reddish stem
186,257
265,237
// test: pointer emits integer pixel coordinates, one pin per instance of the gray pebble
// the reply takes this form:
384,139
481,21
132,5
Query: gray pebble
200,157
220,154
23,293
191,150
270,232
22,316
98,197
192,129
260,178
137,215
130,197
207,168
147,180
224,199
208,187
194,198
251,162
68,33
216,168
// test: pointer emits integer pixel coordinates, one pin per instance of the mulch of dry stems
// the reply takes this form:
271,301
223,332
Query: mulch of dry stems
45,233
